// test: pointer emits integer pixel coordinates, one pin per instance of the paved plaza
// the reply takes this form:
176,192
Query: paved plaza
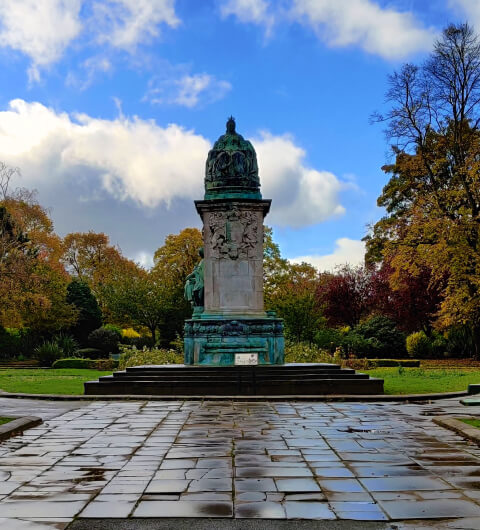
380,462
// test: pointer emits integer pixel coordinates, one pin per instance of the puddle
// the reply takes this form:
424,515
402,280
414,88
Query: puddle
92,474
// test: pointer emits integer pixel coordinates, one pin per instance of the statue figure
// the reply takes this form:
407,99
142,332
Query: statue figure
194,286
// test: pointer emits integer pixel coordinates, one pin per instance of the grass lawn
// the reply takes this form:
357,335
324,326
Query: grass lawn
472,422
47,381
425,381
406,381
4,420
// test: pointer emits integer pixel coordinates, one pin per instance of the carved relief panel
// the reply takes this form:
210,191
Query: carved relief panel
234,234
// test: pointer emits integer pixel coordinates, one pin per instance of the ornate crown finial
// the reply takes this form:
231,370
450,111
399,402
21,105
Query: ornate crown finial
231,125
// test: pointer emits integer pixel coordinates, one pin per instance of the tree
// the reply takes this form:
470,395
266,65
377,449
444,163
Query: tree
432,200
32,280
140,298
414,302
173,262
89,314
346,295
292,295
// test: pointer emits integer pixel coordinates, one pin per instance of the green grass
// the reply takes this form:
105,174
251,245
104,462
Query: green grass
403,381
4,420
50,381
472,422
425,381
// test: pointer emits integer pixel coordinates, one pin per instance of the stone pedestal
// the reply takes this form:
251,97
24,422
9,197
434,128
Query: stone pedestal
233,327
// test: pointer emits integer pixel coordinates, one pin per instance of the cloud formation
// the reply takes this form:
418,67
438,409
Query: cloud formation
347,251
40,29
188,90
249,11
127,23
43,29
138,160
302,195
378,30
470,8
381,31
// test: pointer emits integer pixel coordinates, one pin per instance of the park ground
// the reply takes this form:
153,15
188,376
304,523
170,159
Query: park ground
135,464
430,377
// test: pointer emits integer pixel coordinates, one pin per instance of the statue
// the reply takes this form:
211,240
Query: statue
194,286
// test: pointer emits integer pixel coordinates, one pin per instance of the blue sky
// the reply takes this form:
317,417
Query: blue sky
109,108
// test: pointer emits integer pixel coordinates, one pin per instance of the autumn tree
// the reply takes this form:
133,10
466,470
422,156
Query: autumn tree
89,257
432,200
346,295
33,281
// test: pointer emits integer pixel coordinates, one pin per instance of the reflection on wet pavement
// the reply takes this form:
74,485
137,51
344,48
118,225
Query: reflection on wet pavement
291,460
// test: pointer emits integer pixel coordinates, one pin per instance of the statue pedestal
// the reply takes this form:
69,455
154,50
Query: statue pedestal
221,341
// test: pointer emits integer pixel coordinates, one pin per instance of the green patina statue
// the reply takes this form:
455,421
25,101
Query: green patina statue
194,290
231,168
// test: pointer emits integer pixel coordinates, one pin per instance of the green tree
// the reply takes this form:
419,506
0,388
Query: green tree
89,314
139,298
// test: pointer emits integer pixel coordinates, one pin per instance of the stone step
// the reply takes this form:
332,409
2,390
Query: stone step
266,388
215,379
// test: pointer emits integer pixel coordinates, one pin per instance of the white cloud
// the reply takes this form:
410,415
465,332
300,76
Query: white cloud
145,259
471,8
136,159
346,250
382,31
90,68
301,195
249,11
126,23
187,90
131,158
41,29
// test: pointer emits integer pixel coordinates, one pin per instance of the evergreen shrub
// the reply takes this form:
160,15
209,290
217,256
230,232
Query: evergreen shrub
419,345
105,339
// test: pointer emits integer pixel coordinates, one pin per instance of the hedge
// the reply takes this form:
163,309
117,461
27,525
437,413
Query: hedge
407,363
92,364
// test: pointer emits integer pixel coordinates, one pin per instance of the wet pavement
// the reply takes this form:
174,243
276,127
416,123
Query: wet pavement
330,462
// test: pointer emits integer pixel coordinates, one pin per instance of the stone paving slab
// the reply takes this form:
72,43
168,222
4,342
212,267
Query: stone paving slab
152,460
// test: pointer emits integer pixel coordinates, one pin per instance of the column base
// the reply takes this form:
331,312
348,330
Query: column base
234,341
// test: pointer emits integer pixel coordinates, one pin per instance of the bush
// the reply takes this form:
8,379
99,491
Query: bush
132,357
130,333
105,339
9,343
355,344
47,353
300,352
459,342
103,365
419,345
90,353
439,345
67,344
73,362
406,363
328,339
390,341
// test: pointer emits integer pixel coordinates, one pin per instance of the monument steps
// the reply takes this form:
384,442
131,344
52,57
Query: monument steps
184,380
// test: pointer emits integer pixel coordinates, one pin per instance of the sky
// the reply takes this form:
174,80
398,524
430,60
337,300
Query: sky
109,109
